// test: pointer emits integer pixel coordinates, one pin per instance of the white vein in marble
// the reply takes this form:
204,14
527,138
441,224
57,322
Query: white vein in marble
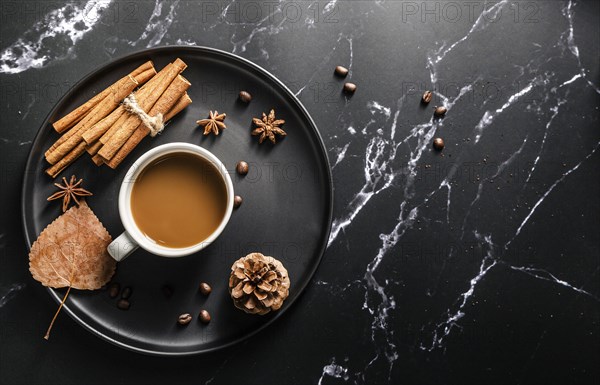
379,325
547,276
377,178
381,153
483,20
69,24
263,25
341,154
489,116
326,59
374,107
573,48
532,271
159,23
334,370
329,6
186,42
482,183
28,107
378,301
545,195
554,109
444,328
11,293
447,184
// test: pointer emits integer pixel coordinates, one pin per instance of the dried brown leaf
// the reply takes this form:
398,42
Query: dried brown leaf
71,252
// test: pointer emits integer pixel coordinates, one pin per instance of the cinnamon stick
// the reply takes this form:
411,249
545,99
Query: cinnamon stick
176,90
141,78
108,132
145,76
77,114
98,160
69,158
98,129
181,104
126,81
67,135
93,148
126,130
142,131
101,110
144,67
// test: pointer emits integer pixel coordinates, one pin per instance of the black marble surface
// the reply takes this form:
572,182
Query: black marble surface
476,265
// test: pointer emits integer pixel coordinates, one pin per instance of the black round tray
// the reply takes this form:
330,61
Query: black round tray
286,213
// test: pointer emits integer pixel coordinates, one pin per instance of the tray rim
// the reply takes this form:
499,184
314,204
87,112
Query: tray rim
214,51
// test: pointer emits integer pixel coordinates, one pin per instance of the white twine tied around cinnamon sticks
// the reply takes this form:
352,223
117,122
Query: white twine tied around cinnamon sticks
154,123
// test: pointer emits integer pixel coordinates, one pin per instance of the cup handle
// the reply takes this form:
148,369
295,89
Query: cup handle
121,247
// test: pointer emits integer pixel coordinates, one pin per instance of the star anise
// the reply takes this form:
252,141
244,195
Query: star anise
214,123
268,127
69,190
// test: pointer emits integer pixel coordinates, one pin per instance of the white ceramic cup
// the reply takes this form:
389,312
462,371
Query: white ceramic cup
132,237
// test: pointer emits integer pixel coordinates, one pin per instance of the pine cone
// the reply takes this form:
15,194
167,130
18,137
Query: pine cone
258,284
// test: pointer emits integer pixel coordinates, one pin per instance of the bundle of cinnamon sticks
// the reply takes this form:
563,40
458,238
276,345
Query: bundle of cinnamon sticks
106,129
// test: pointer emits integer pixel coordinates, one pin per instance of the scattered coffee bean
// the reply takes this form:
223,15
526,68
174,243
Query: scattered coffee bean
349,88
126,293
242,168
184,319
204,316
123,304
205,288
167,291
245,96
438,144
113,290
341,71
440,111
237,201
427,97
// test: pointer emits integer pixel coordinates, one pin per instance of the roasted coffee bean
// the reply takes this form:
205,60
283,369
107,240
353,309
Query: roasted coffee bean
427,97
184,319
245,96
123,304
167,291
113,290
440,111
126,293
438,144
349,88
205,288
242,168
204,316
237,201
341,71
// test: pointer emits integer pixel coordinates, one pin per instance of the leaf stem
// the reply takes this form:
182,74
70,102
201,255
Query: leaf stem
47,336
